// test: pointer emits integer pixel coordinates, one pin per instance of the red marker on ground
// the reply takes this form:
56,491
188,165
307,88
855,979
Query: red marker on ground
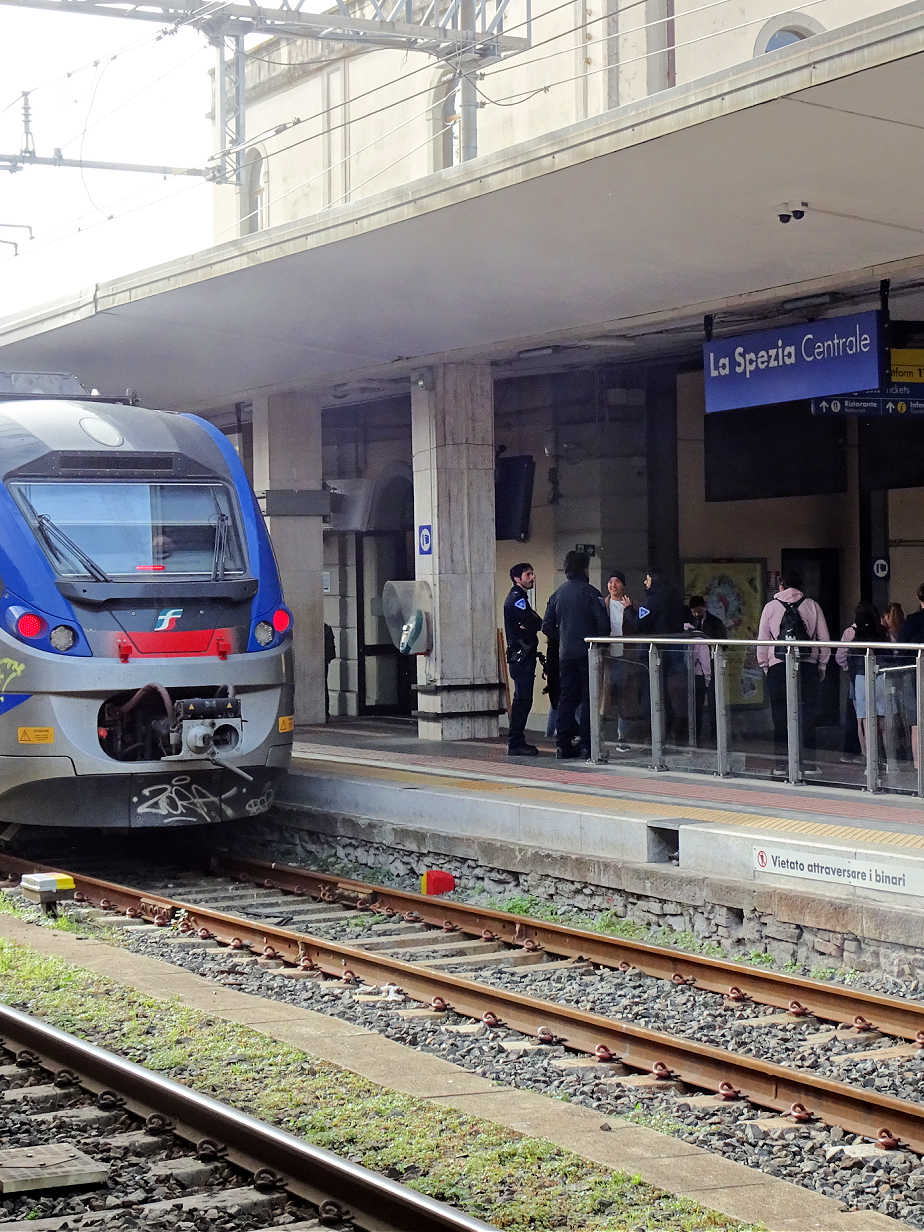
436,881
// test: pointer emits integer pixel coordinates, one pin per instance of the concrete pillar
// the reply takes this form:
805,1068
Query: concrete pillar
287,455
452,431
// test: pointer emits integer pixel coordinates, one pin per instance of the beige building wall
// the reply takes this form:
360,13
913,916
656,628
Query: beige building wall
714,37
334,123
590,432
906,546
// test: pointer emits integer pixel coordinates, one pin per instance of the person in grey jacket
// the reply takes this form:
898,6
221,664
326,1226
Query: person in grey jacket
575,611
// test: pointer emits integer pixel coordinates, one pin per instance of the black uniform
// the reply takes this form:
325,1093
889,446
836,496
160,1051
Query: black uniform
521,627
661,614
574,611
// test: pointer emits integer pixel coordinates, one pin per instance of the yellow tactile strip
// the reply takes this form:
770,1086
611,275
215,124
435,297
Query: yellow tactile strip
586,803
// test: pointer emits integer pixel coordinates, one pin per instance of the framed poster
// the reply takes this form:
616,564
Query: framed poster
734,591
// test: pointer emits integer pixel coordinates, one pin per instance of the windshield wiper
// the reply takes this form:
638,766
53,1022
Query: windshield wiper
221,541
51,530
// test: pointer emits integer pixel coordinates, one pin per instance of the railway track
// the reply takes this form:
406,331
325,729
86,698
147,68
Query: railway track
278,911
111,1144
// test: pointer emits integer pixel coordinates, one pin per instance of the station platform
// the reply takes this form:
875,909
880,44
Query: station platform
841,867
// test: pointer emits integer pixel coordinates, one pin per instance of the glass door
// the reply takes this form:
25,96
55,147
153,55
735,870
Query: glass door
385,676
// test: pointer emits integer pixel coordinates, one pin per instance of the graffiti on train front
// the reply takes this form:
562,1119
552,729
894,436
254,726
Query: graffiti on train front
179,799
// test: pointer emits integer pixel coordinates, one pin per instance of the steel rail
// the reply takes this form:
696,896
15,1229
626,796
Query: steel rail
310,1171
831,1002
859,1110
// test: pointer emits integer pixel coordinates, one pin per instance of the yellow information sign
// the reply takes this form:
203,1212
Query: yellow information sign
907,366
286,722
36,735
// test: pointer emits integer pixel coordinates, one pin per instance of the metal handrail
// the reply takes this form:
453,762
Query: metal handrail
786,653
684,640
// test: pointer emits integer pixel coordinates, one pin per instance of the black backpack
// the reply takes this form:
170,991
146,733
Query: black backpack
792,626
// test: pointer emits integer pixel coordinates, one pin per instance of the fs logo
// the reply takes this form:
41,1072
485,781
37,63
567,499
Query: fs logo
167,619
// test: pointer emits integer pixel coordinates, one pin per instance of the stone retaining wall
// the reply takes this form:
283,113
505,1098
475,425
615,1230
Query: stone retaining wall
790,926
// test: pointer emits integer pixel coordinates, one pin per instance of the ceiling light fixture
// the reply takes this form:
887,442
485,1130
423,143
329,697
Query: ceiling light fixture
824,300
615,342
537,352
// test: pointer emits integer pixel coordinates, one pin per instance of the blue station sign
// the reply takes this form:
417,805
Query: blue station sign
811,360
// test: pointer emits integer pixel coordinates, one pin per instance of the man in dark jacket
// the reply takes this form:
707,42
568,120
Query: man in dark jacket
661,614
521,628
575,611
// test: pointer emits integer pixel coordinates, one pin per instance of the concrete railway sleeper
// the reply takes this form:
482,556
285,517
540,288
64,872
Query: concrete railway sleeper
142,1134
792,993
883,1118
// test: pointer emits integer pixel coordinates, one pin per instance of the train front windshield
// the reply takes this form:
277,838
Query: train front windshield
134,529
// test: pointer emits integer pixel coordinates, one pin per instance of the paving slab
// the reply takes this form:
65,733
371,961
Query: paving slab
790,1208
624,1146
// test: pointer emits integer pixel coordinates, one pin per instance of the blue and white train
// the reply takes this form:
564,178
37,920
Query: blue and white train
145,647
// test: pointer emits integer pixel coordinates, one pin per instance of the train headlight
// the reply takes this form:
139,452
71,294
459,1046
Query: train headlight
62,637
31,626
263,633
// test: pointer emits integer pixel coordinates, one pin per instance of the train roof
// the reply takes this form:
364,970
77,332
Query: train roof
34,429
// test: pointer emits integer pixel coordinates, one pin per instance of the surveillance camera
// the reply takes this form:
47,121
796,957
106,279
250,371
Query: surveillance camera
798,214
784,218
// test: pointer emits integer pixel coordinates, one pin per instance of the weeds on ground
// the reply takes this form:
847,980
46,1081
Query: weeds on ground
756,958
517,1183
657,1120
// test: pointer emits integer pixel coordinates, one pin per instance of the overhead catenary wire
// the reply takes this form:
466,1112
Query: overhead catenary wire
344,161
127,102
209,9
517,97
712,34
545,87
115,216
296,121
188,188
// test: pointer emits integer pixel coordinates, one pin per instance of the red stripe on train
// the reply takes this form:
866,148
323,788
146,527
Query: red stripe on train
181,642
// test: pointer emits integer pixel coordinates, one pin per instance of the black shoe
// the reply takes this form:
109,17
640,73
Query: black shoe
523,750
584,752
567,754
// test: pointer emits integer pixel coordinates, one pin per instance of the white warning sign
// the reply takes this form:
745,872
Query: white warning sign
867,870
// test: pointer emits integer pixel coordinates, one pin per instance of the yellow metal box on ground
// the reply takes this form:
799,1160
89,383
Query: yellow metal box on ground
47,887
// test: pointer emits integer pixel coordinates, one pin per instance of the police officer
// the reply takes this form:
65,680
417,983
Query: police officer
521,626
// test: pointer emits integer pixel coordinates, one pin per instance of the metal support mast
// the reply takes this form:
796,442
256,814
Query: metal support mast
230,102
467,33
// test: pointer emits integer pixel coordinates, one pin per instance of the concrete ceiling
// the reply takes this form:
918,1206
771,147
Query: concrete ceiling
633,223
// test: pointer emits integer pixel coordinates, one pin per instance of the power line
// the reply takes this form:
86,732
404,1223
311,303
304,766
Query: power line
347,159
761,19
209,9
286,126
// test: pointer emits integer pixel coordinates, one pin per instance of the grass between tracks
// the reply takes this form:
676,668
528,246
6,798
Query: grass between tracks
519,1184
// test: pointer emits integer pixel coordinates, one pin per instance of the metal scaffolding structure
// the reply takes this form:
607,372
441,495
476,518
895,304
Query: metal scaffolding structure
465,33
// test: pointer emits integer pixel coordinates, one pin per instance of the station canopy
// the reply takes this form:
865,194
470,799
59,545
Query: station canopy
607,239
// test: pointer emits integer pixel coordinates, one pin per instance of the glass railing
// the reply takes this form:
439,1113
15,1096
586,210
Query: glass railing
696,704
